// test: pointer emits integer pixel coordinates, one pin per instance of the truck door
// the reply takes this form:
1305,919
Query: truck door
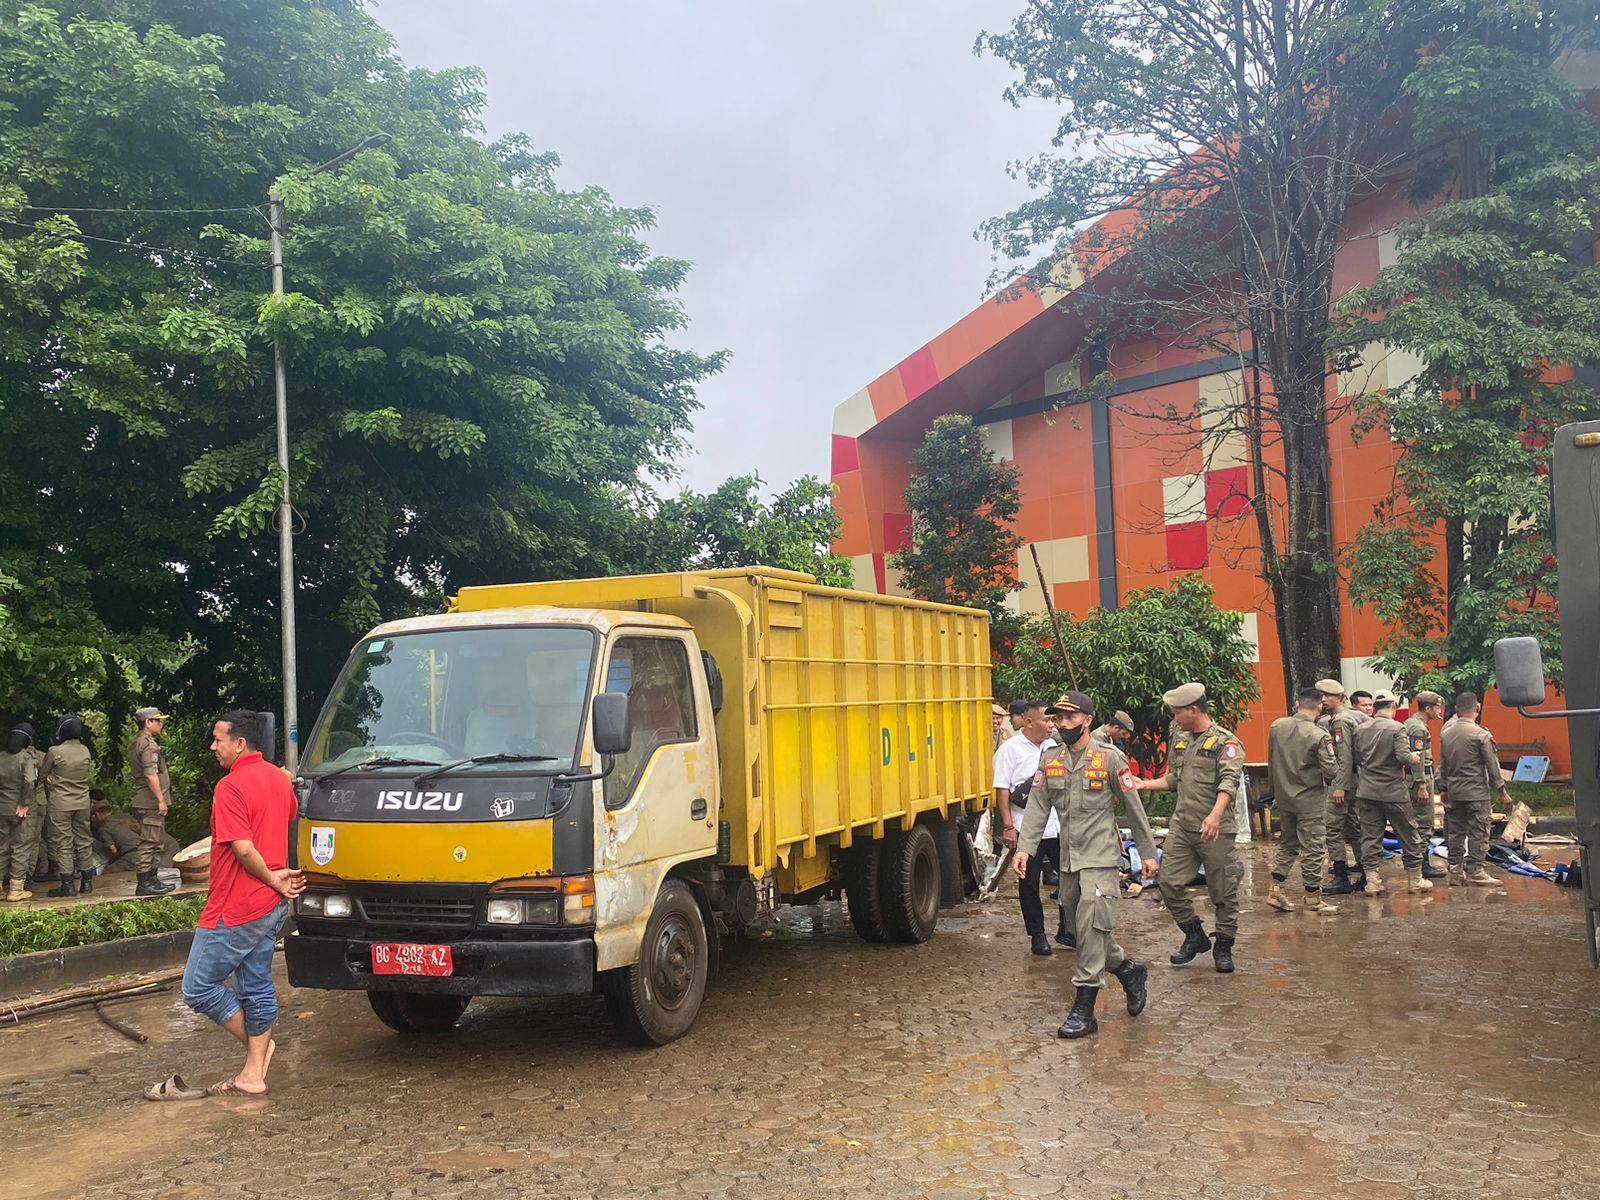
660,798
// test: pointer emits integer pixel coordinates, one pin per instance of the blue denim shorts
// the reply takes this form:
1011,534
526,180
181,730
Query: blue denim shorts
245,952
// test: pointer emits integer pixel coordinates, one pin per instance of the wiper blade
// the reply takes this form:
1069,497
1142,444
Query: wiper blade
377,760
482,758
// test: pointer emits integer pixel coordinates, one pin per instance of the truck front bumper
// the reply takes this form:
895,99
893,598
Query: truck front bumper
486,968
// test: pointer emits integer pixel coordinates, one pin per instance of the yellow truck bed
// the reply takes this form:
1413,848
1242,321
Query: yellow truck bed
844,711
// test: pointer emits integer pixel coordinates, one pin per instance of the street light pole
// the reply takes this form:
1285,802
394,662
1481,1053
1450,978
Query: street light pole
286,584
286,581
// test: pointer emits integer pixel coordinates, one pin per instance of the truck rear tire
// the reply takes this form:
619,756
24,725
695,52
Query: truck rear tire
656,1000
418,1012
863,889
911,885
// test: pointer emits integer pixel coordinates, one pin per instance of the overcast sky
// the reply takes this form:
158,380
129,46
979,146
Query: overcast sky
823,165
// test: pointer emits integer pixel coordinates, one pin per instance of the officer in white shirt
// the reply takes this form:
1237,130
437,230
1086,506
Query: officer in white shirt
1016,764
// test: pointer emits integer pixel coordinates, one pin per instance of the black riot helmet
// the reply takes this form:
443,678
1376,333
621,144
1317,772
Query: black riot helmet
70,728
20,738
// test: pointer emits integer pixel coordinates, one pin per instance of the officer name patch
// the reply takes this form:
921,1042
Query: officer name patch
1055,769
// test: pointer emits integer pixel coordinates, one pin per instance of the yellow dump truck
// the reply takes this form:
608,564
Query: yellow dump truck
556,788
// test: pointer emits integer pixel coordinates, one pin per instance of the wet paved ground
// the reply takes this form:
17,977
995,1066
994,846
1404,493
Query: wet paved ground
1438,1048
112,886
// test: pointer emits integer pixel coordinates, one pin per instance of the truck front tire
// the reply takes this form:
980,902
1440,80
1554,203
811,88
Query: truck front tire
656,1000
863,889
910,876
417,1012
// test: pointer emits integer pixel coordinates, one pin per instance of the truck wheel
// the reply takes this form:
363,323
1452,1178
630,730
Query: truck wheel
418,1012
911,885
863,889
656,1000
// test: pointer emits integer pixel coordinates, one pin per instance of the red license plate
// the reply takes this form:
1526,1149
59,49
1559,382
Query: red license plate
409,958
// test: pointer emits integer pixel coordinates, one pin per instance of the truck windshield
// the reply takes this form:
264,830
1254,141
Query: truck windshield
437,696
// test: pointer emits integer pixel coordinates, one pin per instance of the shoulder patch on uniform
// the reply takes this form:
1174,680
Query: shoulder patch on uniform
1338,736
1232,750
1127,781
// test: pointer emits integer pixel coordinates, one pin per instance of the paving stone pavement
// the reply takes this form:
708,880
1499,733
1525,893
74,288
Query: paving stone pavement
1443,1048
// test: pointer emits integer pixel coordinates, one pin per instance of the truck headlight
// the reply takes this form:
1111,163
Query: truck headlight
521,910
309,904
503,912
337,906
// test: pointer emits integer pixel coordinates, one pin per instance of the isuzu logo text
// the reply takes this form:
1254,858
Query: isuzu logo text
409,801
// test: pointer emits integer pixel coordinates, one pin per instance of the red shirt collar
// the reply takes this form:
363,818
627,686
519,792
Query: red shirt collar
250,756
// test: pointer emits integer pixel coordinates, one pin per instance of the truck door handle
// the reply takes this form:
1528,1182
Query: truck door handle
697,811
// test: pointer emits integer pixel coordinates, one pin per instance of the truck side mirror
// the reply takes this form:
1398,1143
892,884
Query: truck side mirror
1519,671
713,681
613,727
270,750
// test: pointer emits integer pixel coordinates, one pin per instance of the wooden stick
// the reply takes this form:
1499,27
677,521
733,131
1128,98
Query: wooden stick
16,1016
127,1031
96,990
1055,621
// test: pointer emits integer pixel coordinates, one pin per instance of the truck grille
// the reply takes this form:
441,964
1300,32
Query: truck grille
419,912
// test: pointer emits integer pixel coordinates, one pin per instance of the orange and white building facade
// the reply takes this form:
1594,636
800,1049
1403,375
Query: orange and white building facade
1116,494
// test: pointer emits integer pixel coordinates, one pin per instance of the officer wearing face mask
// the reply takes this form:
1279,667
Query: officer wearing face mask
1082,783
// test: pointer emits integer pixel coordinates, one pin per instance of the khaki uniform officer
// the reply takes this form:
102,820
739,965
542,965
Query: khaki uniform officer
1384,758
1300,765
66,769
38,809
1083,783
1469,778
1204,763
19,777
152,794
1117,729
1343,829
1428,706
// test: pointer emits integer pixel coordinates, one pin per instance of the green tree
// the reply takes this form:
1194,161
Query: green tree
1492,286
478,370
963,547
1229,139
1127,657
734,527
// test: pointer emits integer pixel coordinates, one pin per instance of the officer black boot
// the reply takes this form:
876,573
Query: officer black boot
1080,1021
1041,945
150,885
1132,975
1341,881
1195,942
1063,937
69,885
85,883
1222,954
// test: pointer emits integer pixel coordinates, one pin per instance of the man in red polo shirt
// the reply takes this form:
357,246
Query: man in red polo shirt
251,887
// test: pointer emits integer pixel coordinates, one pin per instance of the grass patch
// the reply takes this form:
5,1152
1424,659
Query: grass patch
23,931
1543,797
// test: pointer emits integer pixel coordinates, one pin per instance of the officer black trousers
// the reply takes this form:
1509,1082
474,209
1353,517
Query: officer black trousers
1032,905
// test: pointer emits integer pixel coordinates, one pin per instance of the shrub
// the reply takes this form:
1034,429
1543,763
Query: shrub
23,931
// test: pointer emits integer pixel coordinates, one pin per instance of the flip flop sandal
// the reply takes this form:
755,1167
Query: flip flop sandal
173,1088
229,1088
